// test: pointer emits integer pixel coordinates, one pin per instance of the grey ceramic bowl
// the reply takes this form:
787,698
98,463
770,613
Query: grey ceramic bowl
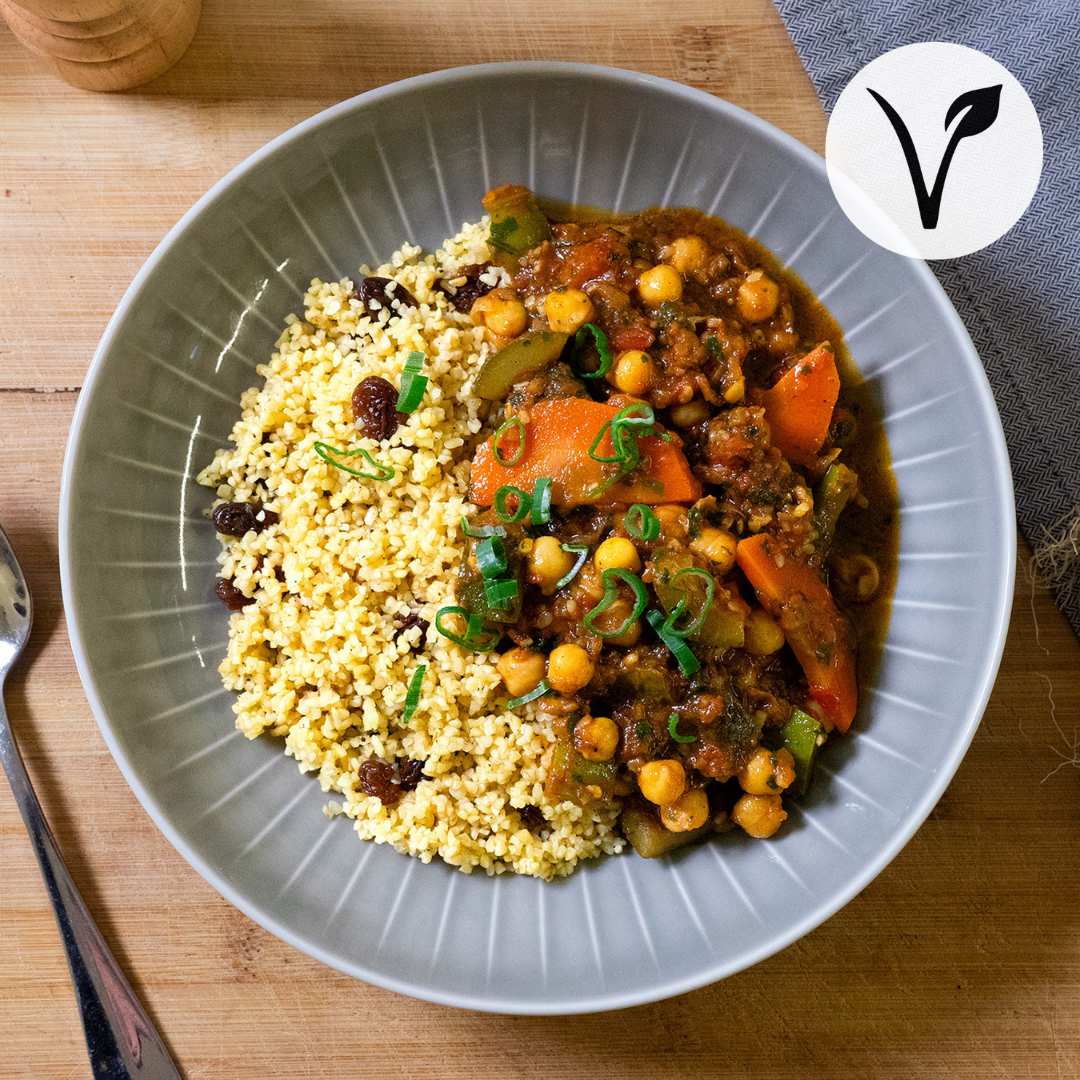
410,162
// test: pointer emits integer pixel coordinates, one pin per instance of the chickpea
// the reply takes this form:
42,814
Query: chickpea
687,254
717,545
569,668
617,553
521,671
548,563
662,782
767,771
501,312
674,521
596,737
568,309
759,297
692,413
858,577
628,637
632,372
691,811
735,392
759,815
660,284
763,635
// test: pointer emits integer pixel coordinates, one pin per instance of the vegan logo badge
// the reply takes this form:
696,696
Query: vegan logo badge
934,150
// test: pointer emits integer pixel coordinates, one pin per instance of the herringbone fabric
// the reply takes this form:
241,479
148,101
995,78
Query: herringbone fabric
1020,297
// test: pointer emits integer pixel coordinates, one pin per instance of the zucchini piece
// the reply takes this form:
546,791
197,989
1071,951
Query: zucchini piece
517,223
649,838
570,773
472,595
802,736
517,360
724,626
836,490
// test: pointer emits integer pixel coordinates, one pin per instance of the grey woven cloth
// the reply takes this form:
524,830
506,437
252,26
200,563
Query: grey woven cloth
1020,297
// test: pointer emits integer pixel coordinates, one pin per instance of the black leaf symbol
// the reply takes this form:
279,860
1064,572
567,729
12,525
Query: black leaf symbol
982,106
982,113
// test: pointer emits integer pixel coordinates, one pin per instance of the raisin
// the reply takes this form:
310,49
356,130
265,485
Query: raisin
377,778
238,518
411,773
231,596
462,297
532,817
374,404
407,622
375,294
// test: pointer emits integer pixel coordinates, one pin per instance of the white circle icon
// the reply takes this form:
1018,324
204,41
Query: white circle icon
934,150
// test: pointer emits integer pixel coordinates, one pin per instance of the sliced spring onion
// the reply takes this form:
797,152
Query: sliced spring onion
581,339
641,523
672,721
513,422
596,444
610,579
688,662
541,501
475,638
501,592
327,453
582,554
413,384
412,698
697,623
491,557
479,531
541,691
626,426
504,513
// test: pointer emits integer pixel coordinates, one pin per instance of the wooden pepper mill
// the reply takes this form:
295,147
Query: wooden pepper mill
104,44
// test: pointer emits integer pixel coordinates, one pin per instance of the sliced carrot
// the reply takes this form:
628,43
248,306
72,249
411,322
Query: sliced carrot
557,440
800,406
819,635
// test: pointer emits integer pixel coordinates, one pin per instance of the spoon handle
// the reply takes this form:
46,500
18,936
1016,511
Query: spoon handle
120,1038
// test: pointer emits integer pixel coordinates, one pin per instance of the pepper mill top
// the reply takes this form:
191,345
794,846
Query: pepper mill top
104,44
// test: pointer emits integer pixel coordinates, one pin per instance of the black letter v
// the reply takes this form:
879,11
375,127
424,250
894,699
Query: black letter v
982,106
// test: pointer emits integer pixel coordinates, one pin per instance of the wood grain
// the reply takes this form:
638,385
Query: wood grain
960,960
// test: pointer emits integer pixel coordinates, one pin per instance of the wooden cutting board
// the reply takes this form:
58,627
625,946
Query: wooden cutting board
960,960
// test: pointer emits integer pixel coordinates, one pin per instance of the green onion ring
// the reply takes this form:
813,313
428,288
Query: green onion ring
611,592
413,384
596,443
602,347
688,662
501,592
479,531
382,472
412,698
541,691
512,422
699,622
641,523
672,721
476,638
541,501
583,554
491,557
512,517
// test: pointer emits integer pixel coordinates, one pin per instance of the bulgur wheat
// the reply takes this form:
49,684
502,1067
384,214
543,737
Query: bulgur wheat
318,654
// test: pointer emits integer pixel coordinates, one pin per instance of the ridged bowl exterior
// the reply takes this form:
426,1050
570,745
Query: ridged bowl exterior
410,162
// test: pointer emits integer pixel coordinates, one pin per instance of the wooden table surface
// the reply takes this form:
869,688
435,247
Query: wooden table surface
962,959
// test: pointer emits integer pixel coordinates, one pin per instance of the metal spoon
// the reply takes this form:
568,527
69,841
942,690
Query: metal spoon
122,1042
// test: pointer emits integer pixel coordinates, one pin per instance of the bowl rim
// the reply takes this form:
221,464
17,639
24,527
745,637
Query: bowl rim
915,816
